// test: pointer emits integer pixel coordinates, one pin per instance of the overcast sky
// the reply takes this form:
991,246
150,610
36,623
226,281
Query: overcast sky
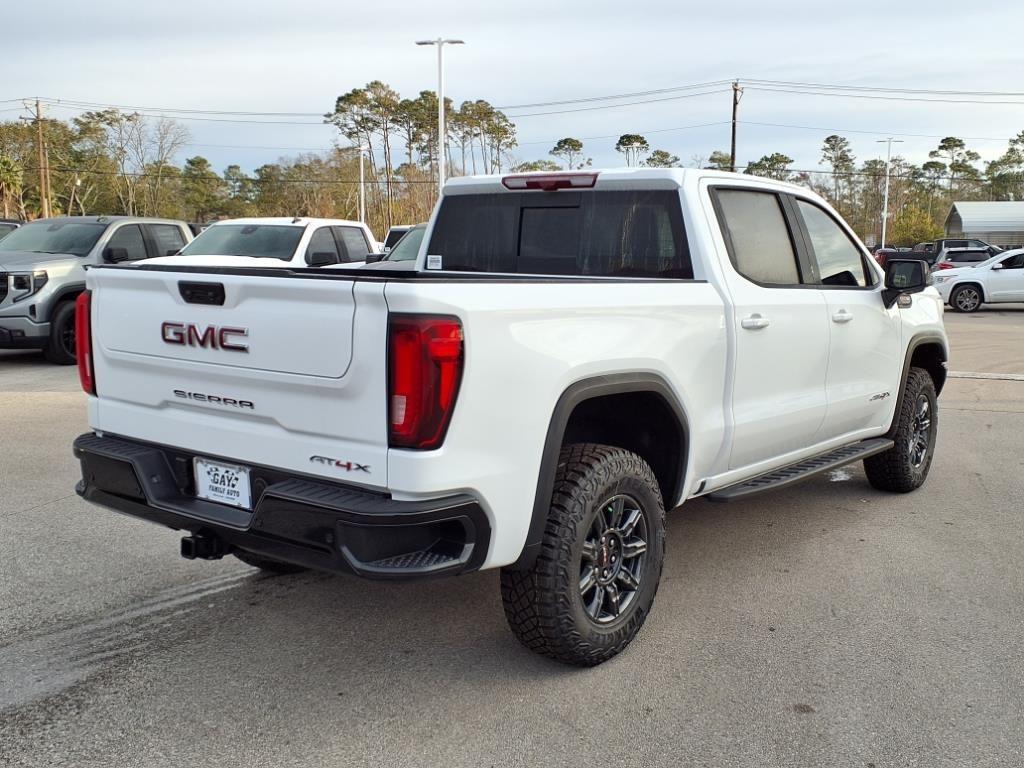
298,56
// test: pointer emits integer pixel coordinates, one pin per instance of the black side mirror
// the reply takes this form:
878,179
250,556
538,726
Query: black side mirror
322,259
904,276
114,255
373,258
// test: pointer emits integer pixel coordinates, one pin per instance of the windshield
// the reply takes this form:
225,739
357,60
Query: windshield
408,247
262,241
44,236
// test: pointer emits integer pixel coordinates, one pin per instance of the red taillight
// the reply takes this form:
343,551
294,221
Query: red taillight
947,265
83,342
425,368
549,182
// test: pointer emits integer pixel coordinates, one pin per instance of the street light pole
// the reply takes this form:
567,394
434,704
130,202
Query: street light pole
442,155
362,188
885,198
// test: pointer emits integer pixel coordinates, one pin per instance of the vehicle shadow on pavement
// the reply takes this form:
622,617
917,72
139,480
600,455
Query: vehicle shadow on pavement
767,611
456,626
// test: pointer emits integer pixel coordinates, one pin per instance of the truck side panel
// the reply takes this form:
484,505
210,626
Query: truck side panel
526,343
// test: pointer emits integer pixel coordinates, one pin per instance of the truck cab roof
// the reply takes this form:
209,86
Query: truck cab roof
599,178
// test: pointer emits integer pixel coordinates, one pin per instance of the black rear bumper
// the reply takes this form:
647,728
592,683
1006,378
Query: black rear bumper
310,523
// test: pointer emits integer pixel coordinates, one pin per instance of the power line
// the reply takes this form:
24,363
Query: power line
633,95
643,133
206,119
809,92
98,105
918,176
253,146
615,106
833,87
871,133
250,179
779,85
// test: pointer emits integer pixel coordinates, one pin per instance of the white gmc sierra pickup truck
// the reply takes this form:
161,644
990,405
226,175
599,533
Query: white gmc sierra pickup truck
574,354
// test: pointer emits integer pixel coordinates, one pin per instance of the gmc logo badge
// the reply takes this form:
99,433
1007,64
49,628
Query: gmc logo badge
208,337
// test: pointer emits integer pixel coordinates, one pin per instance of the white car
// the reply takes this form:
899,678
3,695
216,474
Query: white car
998,280
573,355
278,242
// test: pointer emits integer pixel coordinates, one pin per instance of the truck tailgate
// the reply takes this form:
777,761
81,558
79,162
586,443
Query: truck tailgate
285,371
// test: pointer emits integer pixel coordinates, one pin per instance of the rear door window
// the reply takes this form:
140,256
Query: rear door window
599,233
757,236
168,238
322,241
353,242
129,237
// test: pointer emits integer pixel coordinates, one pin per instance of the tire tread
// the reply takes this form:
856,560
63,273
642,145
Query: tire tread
537,601
891,469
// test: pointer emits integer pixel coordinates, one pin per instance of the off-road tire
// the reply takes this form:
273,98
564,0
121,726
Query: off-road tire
894,470
954,299
266,563
55,350
543,605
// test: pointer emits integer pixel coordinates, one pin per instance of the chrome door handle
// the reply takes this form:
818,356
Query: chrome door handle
842,316
754,322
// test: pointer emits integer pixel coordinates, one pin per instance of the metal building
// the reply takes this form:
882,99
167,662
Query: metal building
998,223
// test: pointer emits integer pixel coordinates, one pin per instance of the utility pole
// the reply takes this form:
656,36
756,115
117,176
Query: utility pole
885,198
44,171
442,155
736,93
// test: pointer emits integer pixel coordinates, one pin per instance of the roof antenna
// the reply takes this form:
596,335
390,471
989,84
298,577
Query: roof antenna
296,220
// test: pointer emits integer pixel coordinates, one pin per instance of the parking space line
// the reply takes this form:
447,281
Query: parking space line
991,376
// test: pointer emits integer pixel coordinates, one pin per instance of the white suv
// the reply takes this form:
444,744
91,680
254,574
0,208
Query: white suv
999,279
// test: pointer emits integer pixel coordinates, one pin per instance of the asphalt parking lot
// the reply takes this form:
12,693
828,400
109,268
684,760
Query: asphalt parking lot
831,625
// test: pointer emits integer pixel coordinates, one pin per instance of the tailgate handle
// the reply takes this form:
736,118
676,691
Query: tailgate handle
202,293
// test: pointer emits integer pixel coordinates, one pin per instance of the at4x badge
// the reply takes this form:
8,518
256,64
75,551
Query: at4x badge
348,466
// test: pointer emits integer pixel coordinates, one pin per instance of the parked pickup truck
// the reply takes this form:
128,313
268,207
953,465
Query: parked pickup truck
42,272
280,242
575,354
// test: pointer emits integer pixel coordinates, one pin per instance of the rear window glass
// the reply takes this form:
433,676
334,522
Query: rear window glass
394,235
601,234
970,256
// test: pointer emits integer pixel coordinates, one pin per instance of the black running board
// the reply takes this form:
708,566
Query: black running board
794,473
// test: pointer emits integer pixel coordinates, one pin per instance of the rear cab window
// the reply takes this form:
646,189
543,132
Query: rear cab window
598,233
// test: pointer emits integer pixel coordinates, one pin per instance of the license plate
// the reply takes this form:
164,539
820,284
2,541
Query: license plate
223,483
